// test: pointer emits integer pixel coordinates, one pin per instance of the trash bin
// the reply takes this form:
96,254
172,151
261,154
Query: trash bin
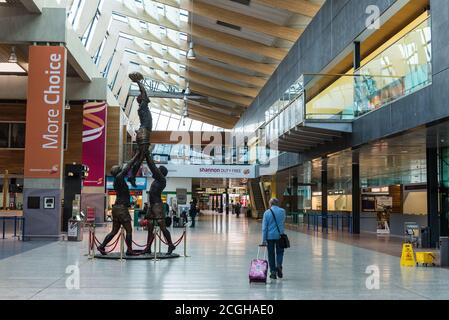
75,230
425,238
444,251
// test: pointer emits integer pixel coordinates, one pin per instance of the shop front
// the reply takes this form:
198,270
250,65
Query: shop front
11,196
136,194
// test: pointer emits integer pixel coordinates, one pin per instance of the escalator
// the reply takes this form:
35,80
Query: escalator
258,201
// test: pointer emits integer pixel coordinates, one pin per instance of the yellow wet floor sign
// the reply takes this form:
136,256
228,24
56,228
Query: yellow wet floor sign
408,256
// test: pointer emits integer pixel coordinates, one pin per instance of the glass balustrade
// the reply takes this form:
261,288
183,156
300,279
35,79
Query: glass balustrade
401,69
336,102
184,154
403,65
286,112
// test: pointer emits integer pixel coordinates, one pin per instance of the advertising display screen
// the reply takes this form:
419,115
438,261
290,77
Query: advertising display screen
141,183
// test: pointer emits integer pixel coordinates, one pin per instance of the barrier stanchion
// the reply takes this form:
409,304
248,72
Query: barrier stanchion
160,241
155,243
93,241
91,253
185,242
15,226
89,245
23,229
122,243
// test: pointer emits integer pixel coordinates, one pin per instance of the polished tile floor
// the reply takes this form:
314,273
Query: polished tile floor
220,250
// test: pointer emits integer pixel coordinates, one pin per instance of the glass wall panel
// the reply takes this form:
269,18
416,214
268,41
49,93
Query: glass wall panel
18,135
4,135
334,102
401,69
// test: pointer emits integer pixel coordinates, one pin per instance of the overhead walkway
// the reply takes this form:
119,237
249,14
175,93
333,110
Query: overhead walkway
293,127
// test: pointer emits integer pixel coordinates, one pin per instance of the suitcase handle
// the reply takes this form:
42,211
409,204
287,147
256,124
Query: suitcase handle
264,251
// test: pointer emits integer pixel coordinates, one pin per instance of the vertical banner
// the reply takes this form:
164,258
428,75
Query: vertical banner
94,142
45,112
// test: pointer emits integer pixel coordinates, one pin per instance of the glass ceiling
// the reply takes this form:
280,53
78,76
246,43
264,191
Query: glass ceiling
161,53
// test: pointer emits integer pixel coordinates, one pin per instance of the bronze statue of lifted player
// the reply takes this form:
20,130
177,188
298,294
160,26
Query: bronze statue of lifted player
155,212
146,127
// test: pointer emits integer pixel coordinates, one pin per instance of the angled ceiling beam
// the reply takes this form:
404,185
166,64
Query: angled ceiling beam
241,20
207,91
263,68
201,116
216,13
193,77
212,115
233,112
219,71
221,85
211,35
210,69
302,7
209,121
33,6
239,43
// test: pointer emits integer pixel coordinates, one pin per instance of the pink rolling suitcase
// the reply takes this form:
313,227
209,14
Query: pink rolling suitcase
259,268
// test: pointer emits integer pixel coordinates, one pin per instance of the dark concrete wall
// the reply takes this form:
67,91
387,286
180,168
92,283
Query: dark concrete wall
428,105
329,34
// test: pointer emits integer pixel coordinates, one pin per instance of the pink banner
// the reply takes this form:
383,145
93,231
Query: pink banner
94,143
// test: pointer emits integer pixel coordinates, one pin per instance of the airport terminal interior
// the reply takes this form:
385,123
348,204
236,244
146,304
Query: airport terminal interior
144,142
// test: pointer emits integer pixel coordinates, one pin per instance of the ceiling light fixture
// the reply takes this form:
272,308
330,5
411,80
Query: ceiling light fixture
13,56
188,91
191,55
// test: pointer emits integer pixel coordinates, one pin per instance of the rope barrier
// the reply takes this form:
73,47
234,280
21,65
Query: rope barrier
142,246
176,243
95,242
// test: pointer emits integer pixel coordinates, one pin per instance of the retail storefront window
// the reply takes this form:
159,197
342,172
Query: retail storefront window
12,135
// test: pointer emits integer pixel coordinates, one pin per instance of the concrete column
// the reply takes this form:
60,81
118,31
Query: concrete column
432,195
356,208
444,189
324,192
44,150
227,201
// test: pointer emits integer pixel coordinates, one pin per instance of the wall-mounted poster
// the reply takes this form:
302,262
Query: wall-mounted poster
94,142
45,112
383,203
181,196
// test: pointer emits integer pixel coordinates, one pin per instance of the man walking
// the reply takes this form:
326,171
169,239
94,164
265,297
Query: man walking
273,225
237,209
192,213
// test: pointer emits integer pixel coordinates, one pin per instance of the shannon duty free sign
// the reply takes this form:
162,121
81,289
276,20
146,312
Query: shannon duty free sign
211,171
44,133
